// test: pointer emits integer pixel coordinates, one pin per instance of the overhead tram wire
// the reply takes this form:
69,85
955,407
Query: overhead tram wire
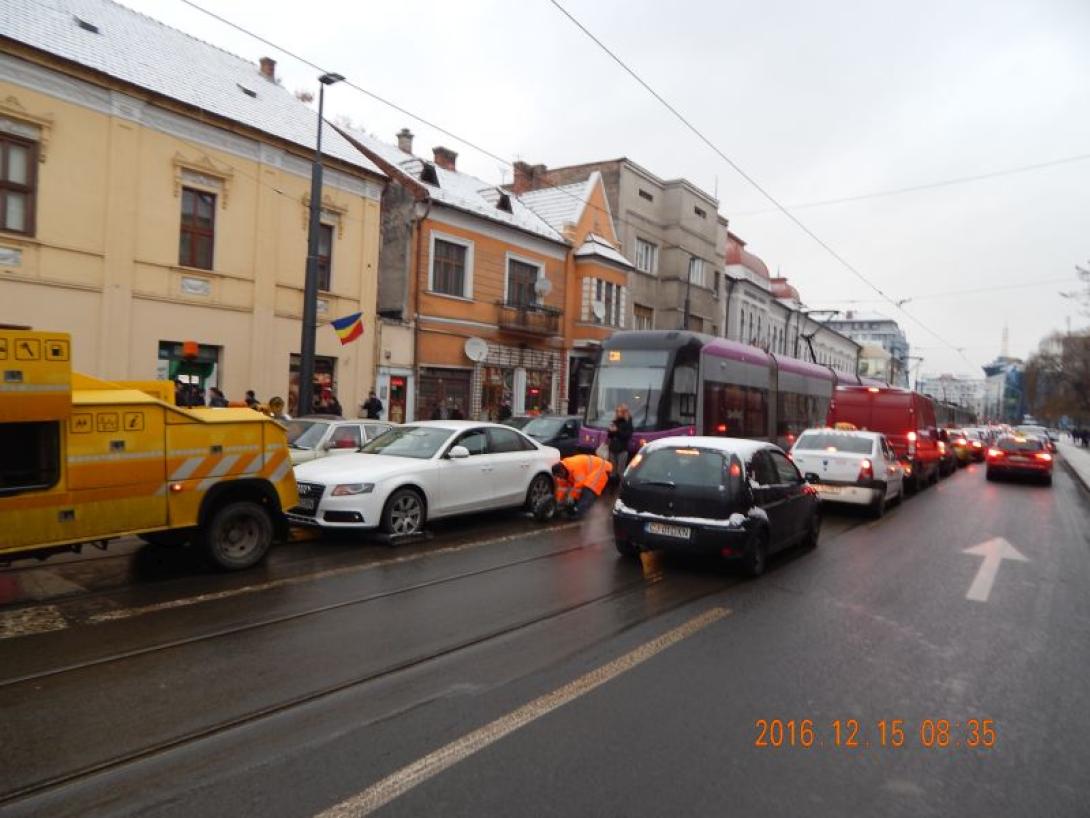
958,180
349,83
945,293
756,185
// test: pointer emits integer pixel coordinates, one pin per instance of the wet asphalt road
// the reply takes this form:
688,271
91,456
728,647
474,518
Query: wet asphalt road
141,684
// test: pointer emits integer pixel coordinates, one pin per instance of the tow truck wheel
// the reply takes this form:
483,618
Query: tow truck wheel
238,535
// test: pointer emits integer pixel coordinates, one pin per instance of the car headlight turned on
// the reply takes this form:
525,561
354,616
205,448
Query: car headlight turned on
349,489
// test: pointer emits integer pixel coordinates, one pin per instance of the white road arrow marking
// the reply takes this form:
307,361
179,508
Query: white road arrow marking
994,552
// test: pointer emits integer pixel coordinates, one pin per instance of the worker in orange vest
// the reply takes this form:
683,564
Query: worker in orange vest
580,480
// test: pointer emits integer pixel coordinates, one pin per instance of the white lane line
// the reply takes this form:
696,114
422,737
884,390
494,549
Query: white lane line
184,602
393,786
27,621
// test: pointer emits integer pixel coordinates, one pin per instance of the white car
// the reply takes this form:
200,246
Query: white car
850,467
422,471
310,438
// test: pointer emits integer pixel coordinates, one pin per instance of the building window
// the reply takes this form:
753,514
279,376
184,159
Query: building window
646,256
716,286
325,256
696,271
451,267
522,278
645,195
699,211
198,228
18,165
605,294
644,316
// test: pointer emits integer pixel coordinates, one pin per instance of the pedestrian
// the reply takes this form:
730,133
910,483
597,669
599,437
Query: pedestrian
276,409
251,399
328,404
372,407
580,480
218,399
505,411
620,433
456,413
196,396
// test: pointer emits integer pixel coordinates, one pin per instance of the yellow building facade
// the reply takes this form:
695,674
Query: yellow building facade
141,221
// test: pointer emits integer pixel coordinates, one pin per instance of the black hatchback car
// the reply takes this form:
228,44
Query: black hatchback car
559,431
739,499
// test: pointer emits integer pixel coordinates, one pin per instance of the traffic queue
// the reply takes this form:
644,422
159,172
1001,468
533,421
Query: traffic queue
736,457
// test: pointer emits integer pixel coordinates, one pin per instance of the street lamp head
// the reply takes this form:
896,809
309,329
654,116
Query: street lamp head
330,79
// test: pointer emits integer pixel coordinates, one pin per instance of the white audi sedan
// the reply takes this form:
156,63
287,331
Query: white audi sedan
422,471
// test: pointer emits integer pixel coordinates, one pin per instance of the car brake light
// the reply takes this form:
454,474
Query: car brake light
995,452
942,447
1045,456
735,470
911,437
866,470
872,388
977,444
960,441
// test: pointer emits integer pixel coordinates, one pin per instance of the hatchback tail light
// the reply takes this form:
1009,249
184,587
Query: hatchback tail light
960,441
977,444
866,470
995,453
1045,456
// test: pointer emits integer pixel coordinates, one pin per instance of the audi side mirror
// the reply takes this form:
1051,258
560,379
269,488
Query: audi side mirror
458,452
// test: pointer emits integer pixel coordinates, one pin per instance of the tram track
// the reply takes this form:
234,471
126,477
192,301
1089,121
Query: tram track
44,785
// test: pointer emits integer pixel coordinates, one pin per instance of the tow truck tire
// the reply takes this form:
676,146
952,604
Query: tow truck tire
237,535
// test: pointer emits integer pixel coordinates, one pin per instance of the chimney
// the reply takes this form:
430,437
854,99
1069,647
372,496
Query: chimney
405,140
524,178
268,68
444,157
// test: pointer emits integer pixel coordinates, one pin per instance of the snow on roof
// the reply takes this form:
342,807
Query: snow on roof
560,206
856,315
462,191
596,245
137,49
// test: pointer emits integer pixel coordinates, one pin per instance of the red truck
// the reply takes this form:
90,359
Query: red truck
906,418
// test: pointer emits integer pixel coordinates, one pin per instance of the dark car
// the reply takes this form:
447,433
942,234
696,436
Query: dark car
948,458
559,431
739,499
1017,456
518,421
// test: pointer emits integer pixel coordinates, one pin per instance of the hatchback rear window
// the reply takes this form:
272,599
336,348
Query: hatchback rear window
681,467
1020,444
831,442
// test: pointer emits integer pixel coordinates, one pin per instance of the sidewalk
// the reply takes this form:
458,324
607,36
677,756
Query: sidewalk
1077,460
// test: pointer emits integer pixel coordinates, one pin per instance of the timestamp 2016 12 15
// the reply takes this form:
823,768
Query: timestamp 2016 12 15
850,733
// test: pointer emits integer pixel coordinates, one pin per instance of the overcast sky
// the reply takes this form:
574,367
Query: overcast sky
816,101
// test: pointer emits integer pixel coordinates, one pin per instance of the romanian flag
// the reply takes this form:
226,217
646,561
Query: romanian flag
348,328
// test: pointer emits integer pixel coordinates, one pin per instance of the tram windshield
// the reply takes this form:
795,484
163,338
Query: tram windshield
631,377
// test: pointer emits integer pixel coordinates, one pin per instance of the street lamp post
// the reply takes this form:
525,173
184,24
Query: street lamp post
310,286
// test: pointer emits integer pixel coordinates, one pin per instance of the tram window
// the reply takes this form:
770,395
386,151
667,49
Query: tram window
32,456
683,395
756,412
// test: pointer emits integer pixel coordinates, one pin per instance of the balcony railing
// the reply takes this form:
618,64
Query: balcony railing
530,319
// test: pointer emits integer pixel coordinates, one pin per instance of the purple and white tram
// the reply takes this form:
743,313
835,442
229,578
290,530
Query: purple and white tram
677,382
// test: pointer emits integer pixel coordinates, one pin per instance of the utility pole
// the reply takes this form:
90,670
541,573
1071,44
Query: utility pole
310,286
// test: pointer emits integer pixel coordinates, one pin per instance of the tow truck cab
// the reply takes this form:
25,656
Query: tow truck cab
85,461
906,418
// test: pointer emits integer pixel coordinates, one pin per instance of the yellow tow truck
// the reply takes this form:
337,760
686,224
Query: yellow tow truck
84,461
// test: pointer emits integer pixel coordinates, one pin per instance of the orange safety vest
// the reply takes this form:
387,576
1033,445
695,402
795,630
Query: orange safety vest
584,470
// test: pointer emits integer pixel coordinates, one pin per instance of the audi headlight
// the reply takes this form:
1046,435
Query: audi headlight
349,489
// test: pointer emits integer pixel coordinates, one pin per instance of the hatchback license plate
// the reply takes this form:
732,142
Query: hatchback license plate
1018,459
663,530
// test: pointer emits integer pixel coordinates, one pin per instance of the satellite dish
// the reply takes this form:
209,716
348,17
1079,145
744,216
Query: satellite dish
543,287
476,349
599,310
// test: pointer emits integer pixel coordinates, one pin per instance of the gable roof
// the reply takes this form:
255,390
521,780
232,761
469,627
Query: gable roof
560,206
141,51
459,190
599,247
